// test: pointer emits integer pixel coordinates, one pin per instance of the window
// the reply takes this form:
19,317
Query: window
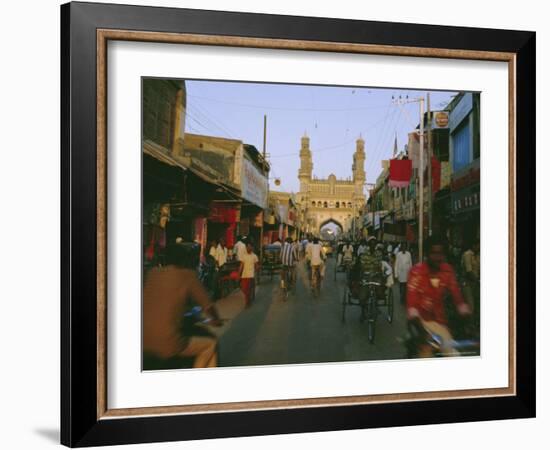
325,205
461,145
338,204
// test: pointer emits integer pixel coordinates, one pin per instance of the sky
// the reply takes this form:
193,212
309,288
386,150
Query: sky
332,117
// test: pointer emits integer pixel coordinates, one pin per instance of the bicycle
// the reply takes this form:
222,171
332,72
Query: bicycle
371,299
316,280
344,266
287,281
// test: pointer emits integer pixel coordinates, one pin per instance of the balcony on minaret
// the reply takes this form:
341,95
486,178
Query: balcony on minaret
360,145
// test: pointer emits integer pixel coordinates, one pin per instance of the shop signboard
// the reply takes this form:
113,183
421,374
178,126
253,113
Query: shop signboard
465,200
253,184
440,119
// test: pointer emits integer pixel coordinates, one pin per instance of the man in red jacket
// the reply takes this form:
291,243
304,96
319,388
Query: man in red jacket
427,286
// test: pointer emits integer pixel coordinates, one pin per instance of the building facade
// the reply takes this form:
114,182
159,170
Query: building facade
330,200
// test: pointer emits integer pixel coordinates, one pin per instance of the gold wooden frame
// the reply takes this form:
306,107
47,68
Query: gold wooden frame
103,36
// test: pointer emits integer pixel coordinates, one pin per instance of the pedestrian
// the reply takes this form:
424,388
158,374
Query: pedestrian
213,251
221,253
403,265
249,266
428,284
239,249
362,247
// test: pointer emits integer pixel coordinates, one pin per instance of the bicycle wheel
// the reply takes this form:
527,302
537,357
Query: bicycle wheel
389,301
315,281
344,305
371,328
371,318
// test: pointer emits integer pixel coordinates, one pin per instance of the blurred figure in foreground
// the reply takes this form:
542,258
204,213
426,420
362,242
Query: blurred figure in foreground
166,294
427,286
471,269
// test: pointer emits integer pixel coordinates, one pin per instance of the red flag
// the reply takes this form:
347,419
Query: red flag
400,172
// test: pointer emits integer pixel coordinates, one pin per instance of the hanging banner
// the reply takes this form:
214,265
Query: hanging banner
400,172
282,211
253,185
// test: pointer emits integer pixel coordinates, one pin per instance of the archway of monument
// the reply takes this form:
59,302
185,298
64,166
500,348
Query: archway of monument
330,229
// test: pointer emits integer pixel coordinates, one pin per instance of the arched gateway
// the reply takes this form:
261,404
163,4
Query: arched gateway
331,199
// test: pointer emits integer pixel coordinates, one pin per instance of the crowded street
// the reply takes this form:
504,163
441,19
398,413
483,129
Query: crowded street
260,248
305,329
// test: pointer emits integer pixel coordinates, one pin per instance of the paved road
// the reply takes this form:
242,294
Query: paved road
304,329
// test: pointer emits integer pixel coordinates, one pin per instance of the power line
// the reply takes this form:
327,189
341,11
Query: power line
331,147
381,141
281,108
212,119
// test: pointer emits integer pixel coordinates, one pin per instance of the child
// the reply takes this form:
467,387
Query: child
249,266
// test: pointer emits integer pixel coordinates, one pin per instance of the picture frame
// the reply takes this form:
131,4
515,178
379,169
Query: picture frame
86,28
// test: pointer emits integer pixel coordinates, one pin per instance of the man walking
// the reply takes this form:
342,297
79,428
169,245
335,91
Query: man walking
403,264
249,266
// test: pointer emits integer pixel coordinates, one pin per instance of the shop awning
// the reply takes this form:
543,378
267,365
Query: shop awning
160,153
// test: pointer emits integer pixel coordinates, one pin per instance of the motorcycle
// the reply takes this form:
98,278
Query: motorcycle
418,336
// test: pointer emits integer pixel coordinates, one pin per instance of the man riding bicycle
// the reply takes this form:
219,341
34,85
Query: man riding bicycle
347,254
315,256
289,256
369,263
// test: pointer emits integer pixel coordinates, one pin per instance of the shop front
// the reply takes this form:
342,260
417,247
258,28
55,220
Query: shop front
465,202
174,205
223,219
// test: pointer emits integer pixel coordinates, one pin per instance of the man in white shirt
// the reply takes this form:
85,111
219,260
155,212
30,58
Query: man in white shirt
239,249
363,247
347,253
221,253
249,266
315,256
403,264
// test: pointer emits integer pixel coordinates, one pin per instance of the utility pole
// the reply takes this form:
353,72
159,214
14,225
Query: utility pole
430,193
421,189
420,100
264,154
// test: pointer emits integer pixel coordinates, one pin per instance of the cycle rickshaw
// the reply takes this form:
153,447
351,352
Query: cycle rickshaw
271,261
377,296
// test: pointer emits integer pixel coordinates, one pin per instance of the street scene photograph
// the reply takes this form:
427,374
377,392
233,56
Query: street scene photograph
301,224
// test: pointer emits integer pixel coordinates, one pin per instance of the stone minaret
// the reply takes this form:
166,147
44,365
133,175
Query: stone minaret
306,165
358,168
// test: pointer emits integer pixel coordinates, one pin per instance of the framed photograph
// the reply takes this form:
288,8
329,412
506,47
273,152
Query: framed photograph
278,224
